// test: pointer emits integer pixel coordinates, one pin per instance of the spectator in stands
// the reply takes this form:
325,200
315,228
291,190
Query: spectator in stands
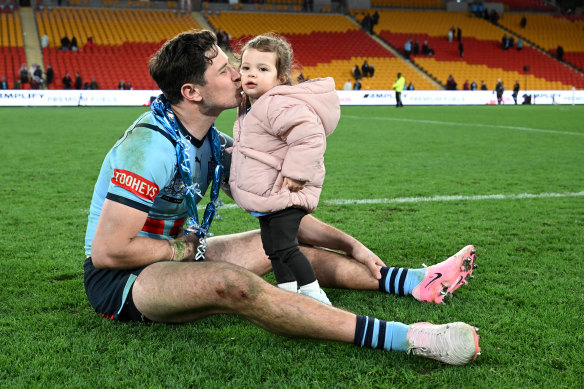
220,38
23,74
128,86
17,84
478,9
65,43
499,89
416,49
505,42
408,48
185,6
515,90
427,50
356,72
494,16
466,85
357,85
365,69
451,83
560,53
375,18
78,81
461,49
38,72
67,82
398,86
93,84
367,24
450,34
226,41
410,86
511,42
74,46
484,86
121,85
371,70
31,70
473,85
458,34
348,85
522,24
519,44
89,45
44,41
35,82
3,83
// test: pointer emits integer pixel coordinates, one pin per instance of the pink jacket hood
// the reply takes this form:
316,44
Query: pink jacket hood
283,135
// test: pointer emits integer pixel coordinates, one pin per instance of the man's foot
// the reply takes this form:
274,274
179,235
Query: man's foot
447,276
453,343
320,296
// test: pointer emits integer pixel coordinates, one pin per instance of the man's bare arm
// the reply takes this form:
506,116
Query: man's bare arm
116,244
317,233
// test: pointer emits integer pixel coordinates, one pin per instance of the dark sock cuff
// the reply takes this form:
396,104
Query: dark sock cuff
359,329
383,271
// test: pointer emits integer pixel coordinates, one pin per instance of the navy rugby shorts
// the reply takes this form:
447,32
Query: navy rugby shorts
110,292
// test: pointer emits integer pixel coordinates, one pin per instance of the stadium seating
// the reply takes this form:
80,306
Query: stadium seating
11,48
549,31
484,57
324,46
124,40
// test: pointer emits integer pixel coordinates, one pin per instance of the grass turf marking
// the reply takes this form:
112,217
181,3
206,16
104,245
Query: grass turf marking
401,200
468,125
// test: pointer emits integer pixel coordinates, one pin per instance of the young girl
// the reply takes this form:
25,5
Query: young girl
277,168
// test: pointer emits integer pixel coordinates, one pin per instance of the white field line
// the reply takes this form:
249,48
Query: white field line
402,200
467,125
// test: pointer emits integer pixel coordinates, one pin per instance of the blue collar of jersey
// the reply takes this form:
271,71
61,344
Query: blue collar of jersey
194,141
163,114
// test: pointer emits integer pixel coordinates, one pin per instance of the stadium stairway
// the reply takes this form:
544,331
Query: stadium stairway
201,20
205,25
32,47
399,55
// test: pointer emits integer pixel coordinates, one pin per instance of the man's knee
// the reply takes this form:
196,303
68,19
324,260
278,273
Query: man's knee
236,285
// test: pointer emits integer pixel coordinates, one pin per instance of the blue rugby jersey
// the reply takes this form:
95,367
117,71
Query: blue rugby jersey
141,172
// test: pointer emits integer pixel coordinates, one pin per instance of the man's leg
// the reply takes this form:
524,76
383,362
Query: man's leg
179,292
335,270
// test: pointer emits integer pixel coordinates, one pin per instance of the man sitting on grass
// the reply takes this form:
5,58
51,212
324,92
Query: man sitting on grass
140,265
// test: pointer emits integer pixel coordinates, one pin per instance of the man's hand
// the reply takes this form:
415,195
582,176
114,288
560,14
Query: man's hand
362,254
293,185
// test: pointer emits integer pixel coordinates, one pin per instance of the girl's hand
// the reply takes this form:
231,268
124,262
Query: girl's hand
293,184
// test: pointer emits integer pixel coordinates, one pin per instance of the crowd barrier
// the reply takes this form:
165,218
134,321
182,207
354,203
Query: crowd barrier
62,98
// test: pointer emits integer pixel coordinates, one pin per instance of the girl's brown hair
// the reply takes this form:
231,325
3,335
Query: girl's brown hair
274,43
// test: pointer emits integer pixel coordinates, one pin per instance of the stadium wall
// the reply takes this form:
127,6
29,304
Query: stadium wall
62,98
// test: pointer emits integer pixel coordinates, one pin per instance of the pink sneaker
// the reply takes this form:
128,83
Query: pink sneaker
453,343
447,276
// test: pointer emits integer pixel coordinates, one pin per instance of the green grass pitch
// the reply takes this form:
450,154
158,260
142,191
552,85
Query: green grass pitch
508,179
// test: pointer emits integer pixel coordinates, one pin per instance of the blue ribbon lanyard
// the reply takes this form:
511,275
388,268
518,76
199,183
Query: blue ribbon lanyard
165,116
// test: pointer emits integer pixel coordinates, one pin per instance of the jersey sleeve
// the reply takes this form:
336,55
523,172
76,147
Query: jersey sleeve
143,162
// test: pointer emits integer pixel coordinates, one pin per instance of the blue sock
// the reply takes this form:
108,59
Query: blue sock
381,334
399,280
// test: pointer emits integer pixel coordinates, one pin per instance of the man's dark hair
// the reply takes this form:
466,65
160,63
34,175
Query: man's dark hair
181,60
